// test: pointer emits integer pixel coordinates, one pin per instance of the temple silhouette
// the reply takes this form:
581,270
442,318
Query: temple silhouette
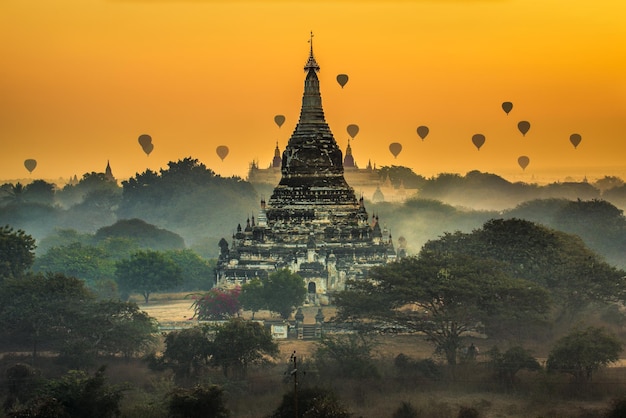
313,223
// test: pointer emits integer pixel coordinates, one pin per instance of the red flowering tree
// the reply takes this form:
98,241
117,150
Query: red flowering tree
216,304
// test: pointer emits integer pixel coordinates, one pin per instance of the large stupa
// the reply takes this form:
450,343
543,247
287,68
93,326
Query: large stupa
313,223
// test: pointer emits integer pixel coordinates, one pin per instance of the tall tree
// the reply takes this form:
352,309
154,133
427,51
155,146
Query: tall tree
147,272
17,252
445,297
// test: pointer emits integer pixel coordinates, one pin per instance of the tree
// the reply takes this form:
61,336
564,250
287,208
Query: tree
39,191
197,272
346,355
311,402
16,252
62,237
238,344
443,296
145,234
252,296
108,327
147,272
216,304
187,351
14,195
78,260
198,402
557,261
40,308
582,352
75,395
284,291
507,364
188,198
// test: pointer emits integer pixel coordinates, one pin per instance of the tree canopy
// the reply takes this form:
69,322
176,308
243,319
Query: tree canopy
281,292
147,272
17,252
238,344
445,297
583,351
558,261
143,233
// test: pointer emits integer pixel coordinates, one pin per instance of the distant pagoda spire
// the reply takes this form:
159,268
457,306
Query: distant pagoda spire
277,160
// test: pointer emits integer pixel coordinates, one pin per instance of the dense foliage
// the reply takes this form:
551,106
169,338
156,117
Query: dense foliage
147,272
583,351
60,314
443,297
281,292
17,252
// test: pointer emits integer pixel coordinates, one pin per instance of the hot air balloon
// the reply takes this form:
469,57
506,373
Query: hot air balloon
507,107
523,127
575,139
279,119
523,161
30,164
395,149
342,79
222,151
478,140
145,140
148,148
422,131
353,130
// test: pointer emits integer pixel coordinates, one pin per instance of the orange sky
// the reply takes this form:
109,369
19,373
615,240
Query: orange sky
80,80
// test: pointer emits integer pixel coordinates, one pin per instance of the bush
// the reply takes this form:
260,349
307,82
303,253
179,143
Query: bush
312,403
406,410
198,402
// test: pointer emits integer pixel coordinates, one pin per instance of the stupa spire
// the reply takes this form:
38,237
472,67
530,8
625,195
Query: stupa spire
312,158
311,64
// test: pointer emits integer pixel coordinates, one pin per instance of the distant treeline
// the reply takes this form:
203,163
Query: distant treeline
196,205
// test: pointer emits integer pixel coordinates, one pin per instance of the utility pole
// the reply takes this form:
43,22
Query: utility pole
294,372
